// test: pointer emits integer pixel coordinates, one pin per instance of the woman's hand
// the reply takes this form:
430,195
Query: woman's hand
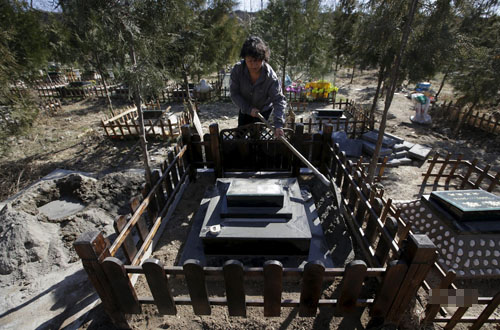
254,112
279,132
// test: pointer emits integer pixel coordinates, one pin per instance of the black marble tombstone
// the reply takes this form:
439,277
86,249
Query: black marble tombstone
256,217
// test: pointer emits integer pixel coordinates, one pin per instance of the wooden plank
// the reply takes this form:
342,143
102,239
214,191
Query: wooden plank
486,313
197,149
443,167
494,182
469,172
128,247
456,318
353,279
235,291
391,282
431,167
421,252
371,225
121,286
173,171
215,147
484,172
432,309
453,169
195,279
92,248
159,287
310,292
383,248
273,287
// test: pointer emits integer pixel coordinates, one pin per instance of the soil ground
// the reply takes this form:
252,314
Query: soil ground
73,140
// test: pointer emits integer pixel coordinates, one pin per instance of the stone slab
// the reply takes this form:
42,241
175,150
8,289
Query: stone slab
352,147
405,161
408,145
469,205
369,148
255,193
372,136
400,154
61,208
329,112
419,152
393,163
399,147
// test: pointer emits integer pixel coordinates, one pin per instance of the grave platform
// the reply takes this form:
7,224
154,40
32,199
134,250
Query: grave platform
473,210
291,231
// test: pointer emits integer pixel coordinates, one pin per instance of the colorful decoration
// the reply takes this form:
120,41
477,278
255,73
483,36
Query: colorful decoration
317,89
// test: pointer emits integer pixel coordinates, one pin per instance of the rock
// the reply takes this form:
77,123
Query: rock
405,161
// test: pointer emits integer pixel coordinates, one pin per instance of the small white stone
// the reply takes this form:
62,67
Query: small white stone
471,254
496,253
461,273
479,253
482,242
494,262
460,252
452,239
446,233
485,262
460,242
472,243
451,248
476,262
492,243
433,230
487,253
429,215
422,209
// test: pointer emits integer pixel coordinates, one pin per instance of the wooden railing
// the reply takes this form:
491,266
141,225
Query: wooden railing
445,173
476,120
380,230
126,124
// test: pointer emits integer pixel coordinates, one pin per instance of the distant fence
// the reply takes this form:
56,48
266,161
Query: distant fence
126,124
445,173
476,120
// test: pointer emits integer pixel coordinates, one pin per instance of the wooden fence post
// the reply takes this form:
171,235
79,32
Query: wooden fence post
216,152
186,139
420,252
327,142
92,248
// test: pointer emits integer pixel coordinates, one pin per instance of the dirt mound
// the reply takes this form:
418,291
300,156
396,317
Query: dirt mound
38,227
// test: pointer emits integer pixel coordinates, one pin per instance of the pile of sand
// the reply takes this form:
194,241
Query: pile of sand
37,230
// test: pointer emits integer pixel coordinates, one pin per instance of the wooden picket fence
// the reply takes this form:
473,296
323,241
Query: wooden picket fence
397,258
126,124
476,120
357,123
459,174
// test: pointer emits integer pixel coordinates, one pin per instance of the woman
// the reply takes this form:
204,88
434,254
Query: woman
255,87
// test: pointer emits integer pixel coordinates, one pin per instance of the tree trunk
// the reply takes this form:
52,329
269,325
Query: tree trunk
442,84
137,101
381,75
285,55
390,91
352,74
337,60
462,120
99,69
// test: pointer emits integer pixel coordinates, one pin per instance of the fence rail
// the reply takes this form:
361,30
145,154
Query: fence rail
476,120
126,124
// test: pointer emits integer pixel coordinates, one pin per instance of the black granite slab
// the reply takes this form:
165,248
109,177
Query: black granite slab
329,112
469,205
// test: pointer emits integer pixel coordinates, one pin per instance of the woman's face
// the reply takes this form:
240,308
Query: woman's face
254,65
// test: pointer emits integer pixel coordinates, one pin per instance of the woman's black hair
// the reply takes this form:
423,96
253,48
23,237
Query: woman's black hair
256,48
